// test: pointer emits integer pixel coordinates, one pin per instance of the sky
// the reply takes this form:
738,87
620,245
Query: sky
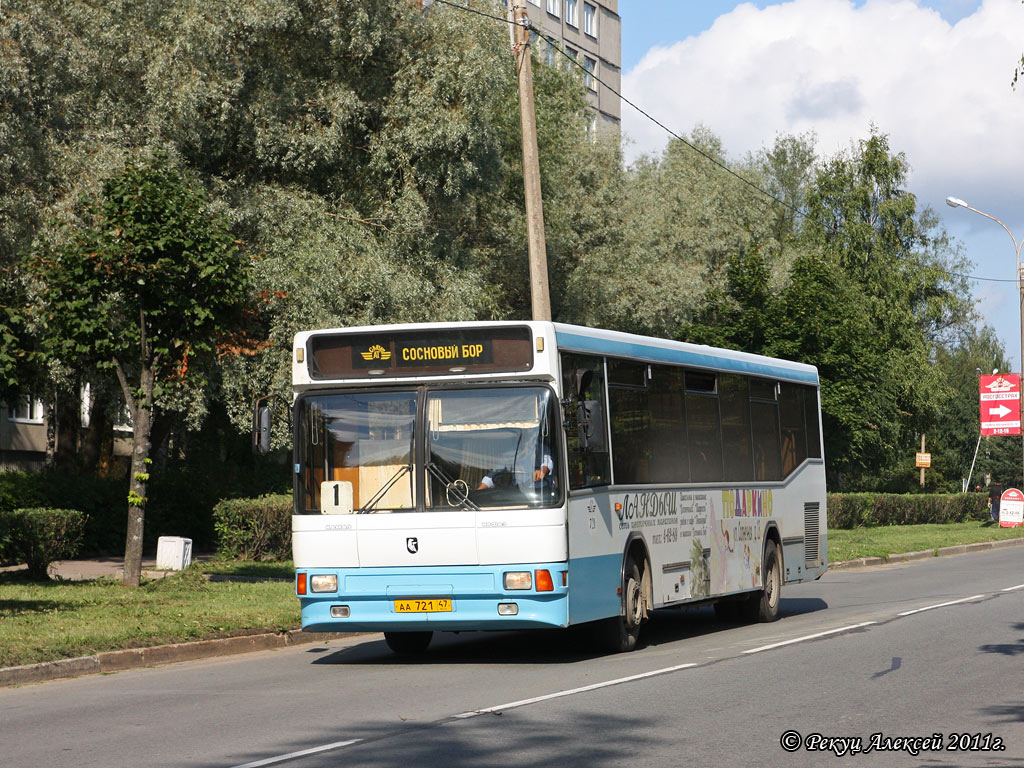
934,75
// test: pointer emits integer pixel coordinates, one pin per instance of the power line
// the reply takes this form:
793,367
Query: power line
482,13
715,161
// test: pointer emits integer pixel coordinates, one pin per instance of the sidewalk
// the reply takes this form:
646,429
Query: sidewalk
101,568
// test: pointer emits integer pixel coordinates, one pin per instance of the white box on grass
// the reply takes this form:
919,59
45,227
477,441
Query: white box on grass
173,553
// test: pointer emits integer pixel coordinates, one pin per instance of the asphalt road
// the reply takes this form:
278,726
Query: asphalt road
853,656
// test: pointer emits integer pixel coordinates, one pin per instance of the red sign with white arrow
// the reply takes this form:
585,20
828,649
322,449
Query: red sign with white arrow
1000,404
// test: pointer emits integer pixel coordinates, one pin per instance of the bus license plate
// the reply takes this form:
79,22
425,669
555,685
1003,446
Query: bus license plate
424,605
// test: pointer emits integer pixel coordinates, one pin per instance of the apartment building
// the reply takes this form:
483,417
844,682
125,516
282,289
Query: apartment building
24,433
591,32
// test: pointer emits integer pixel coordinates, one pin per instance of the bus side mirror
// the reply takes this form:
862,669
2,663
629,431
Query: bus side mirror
581,382
583,425
261,422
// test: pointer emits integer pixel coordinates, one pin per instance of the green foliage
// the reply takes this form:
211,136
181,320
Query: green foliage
149,276
99,499
954,440
855,510
254,529
38,536
867,295
367,153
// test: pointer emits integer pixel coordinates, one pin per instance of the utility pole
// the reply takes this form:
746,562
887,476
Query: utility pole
531,164
922,465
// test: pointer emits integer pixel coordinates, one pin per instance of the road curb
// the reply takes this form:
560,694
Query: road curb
133,658
924,554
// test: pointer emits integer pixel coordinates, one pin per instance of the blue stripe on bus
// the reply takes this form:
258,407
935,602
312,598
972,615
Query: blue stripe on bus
595,583
646,352
475,591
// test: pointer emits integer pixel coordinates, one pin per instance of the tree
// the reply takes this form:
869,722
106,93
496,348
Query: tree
681,218
145,287
955,438
861,285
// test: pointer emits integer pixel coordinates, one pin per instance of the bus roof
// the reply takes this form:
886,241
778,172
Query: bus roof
612,343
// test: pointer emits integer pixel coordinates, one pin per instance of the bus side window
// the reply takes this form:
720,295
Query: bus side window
588,466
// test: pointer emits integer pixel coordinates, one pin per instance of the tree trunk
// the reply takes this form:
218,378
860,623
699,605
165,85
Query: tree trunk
142,422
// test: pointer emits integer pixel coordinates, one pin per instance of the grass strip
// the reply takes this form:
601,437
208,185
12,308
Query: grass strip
47,621
894,539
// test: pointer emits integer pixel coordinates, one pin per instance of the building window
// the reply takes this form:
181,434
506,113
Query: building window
535,2
572,13
589,70
550,53
553,7
572,53
28,410
592,126
590,19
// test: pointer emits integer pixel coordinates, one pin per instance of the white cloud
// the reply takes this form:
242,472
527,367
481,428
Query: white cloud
940,91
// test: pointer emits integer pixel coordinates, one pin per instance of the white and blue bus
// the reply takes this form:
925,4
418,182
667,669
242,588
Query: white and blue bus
508,475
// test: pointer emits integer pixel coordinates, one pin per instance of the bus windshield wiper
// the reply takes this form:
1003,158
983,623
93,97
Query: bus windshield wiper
440,474
369,505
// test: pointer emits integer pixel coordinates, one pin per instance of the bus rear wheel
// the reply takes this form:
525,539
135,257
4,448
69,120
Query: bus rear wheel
408,643
619,634
763,605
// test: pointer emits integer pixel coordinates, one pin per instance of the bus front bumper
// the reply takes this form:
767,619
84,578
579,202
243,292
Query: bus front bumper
444,598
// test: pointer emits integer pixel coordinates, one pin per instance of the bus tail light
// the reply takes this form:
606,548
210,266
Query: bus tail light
300,583
544,582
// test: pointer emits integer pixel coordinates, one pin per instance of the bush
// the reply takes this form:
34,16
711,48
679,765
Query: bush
861,510
254,529
40,536
180,500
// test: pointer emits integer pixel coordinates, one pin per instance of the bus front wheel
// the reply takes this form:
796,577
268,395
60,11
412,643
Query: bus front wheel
763,605
619,634
408,643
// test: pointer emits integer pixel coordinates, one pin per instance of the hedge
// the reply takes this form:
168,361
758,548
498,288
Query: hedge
862,510
39,536
180,501
254,529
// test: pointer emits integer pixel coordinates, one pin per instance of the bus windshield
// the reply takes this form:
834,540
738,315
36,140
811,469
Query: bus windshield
491,448
482,448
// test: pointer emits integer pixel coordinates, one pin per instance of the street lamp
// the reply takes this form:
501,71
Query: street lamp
956,202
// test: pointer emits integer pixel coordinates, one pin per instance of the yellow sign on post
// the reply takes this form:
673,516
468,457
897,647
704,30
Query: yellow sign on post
924,460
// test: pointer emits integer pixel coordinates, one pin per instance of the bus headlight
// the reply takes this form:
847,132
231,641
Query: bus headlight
323,582
518,580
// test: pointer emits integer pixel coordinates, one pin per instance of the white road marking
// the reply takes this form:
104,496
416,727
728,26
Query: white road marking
941,605
300,753
607,683
810,637
584,689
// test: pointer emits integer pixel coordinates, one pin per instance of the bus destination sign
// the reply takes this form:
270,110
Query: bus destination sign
453,354
417,353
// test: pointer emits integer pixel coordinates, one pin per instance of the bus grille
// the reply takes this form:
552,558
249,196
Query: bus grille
812,512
